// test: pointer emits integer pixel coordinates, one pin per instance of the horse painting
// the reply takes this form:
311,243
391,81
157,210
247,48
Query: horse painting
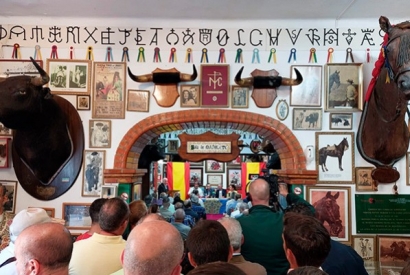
383,136
333,151
334,78
327,210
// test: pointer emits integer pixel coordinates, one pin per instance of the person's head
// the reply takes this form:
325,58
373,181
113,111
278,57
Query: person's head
143,256
194,93
113,217
305,240
300,208
259,192
95,208
124,196
187,204
177,194
208,242
307,270
196,185
234,229
243,206
217,268
43,249
185,94
26,218
238,196
165,181
138,209
195,192
153,208
116,77
194,199
179,215
219,187
151,217
179,205
166,202
232,187
208,186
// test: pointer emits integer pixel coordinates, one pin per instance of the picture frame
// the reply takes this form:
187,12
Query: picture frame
390,250
340,121
4,152
365,246
69,76
138,101
344,87
328,146
196,176
336,200
364,180
215,85
13,67
99,133
213,166
199,163
239,97
76,215
11,193
282,109
109,191
173,146
4,131
214,180
408,168
309,92
234,176
190,96
307,119
93,177
50,211
83,102
109,85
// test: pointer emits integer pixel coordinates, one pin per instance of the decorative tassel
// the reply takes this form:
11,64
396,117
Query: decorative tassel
255,56
37,53
221,58
189,56
172,56
90,54
330,55
157,55
16,52
204,57
292,55
312,56
141,55
71,52
239,57
108,55
349,54
125,57
272,56
54,54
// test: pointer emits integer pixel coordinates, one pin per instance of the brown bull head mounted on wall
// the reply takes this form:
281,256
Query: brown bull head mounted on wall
166,81
264,85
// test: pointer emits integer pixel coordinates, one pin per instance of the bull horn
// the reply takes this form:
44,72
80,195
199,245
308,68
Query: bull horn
42,79
293,82
140,78
188,77
245,82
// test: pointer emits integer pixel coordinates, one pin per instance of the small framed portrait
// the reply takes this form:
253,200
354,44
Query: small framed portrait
198,163
109,191
309,92
4,131
214,180
173,146
282,109
340,121
307,119
213,166
76,215
4,152
94,165
11,193
364,180
195,176
100,134
83,102
50,211
365,246
190,95
138,101
234,176
393,250
240,97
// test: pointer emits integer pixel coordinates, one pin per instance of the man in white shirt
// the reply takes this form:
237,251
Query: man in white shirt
196,187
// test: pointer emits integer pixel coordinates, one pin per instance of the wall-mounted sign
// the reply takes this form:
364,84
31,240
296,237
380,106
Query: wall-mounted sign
198,147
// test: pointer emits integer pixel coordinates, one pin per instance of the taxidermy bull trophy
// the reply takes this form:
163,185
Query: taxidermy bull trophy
165,92
264,85
48,136
383,136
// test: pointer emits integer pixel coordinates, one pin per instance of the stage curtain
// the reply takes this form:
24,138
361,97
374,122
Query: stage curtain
178,177
247,169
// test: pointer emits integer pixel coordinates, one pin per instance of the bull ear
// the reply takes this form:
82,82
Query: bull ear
384,24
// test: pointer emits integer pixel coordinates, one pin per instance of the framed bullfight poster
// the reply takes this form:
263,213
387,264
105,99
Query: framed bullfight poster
94,164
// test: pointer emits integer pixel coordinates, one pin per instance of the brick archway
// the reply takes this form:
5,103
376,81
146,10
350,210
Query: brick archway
291,153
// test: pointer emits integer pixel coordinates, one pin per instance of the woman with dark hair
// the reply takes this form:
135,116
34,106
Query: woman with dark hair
177,198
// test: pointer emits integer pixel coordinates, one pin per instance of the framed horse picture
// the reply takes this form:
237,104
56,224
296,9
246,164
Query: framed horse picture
393,250
332,205
335,157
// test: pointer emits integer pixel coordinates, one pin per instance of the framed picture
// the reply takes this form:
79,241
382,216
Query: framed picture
215,85
69,76
94,164
309,92
11,193
240,97
199,163
173,146
213,166
344,87
335,157
13,67
307,119
332,205
282,109
195,176
4,152
138,101
109,90
50,211
342,121
365,246
83,102
100,134
4,131
76,215
190,96
108,191
393,250
364,180
408,168
234,176
214,180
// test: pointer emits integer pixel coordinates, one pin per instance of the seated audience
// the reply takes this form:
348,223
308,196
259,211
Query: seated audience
154,206
196,187
307,270
188,210
198,206
231,203
217,268
209,191
177,198
179,225
188,220
171,200
220,193
138,209
195,199
243,209
164,210
94,213
234,230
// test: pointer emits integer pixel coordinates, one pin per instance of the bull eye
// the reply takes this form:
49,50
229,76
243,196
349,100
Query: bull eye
22,92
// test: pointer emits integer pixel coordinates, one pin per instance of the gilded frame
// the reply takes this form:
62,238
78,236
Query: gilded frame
76,215
138,101
239,97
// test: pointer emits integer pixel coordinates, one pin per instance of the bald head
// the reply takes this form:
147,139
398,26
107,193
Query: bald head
179,215
153,247
259,191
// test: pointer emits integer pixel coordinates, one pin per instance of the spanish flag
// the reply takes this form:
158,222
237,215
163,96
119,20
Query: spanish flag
250,168
178,177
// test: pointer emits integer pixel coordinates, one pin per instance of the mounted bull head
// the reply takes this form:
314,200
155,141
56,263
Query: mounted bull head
151,152
264,85
165,92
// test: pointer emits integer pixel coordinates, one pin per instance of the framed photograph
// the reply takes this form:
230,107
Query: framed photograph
213,166
138,101
76,215
4,131
83,102
364,180
199,163
335,157
50,211
234,176
109,191
109,90
332,205
309,92
365,246
240,97
344,87
4,152
93,178
195,176
69,76
13,67
307,119
11,193
173,146
215,85
342,121
408,168
190,95
100,134
214,180
393,250
282,109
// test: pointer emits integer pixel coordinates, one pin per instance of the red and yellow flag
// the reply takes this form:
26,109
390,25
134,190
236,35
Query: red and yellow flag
178,177
250,168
